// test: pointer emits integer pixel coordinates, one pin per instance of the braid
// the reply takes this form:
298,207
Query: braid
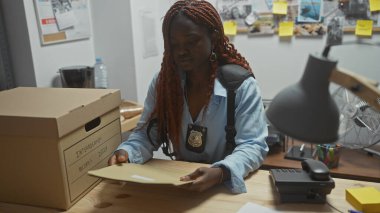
169,99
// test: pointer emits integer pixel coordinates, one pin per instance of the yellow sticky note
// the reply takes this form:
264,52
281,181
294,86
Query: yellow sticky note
363,28
280,7
286,28
366,199
230,27
374,5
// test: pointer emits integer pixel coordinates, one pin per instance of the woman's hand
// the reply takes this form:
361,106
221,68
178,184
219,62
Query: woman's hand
203,178
120,156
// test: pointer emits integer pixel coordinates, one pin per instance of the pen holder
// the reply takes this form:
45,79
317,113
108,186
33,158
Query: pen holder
329,154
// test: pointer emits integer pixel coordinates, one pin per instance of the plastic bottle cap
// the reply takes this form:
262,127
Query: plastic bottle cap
98,59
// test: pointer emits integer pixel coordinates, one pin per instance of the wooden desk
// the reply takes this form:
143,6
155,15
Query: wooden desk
113,196
353,164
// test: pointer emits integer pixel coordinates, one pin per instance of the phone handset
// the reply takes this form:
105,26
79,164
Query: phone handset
316,169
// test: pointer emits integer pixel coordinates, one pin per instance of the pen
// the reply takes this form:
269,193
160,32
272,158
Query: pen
302,147
354,211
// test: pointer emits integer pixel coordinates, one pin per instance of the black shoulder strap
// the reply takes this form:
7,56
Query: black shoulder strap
231,76
163,139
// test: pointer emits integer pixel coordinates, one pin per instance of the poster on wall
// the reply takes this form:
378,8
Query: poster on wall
62,20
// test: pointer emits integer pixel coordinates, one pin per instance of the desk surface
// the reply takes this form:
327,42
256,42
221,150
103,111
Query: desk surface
114,196
353,164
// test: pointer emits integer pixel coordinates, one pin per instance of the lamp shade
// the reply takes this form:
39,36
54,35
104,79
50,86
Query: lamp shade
306,111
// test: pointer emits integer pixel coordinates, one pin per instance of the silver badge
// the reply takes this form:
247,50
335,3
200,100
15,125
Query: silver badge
195,138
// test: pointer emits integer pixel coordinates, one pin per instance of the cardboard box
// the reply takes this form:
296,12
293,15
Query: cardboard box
50,138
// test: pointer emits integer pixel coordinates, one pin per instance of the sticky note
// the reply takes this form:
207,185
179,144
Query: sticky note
286,28
230,27
280,7
374,5
366,199
363,28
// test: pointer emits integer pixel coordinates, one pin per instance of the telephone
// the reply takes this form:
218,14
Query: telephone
310,184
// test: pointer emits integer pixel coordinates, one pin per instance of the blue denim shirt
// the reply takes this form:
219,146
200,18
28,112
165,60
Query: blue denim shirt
250,125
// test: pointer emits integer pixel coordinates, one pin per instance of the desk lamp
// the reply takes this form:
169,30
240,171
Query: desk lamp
306,111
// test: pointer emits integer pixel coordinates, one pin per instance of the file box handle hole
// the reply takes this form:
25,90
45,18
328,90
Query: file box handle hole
92,124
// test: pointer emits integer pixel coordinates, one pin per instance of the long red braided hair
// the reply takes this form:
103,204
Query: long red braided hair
169,93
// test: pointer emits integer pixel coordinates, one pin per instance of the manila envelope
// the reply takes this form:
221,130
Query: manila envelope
152,172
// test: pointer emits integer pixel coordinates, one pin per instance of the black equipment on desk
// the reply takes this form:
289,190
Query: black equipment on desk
310,184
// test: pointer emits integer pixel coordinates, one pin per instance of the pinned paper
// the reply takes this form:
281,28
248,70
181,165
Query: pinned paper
374,5
280,7
66,19
363,28
250,19
286,28
230,27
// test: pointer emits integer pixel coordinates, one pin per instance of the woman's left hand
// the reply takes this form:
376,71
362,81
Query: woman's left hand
203,178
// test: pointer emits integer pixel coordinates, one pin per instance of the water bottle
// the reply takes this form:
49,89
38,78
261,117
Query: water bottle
101,80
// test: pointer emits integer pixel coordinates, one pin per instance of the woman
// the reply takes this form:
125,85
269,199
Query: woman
186,97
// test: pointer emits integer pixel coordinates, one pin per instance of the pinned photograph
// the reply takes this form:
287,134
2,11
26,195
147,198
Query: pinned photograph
335,31
235,10
358,9
310,11
309,29
264,25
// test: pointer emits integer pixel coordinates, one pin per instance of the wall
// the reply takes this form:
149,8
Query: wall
118,37
146,67
114,43
277,63
34,64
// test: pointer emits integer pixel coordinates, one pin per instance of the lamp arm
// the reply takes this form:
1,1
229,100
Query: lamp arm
361,86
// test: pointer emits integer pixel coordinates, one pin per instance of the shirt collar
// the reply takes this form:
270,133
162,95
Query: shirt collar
219,90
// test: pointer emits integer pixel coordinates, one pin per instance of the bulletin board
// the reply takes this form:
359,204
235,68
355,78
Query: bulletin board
310,17
62,20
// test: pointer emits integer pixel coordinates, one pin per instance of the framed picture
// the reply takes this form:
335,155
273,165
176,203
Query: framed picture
62,20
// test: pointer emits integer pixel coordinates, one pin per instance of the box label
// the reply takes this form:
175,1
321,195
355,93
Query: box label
90,153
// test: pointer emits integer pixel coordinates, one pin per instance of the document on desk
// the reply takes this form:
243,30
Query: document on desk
151,172
252,207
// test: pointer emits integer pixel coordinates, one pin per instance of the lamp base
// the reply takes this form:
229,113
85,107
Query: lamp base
294,153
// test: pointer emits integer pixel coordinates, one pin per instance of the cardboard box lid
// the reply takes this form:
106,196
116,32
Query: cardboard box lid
52,112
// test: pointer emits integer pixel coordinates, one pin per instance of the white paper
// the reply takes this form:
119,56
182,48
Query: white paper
250,19
66,20
252,207
82,28
149,33
46,17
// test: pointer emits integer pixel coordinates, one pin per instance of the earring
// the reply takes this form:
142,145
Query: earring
213,56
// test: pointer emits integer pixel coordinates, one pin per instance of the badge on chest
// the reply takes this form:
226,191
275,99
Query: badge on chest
196,138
